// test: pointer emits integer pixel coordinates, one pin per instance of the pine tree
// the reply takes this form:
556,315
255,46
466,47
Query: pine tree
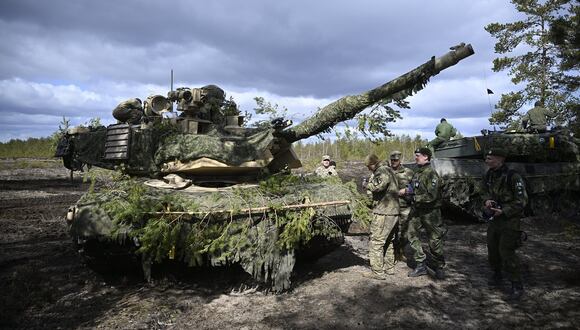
535,63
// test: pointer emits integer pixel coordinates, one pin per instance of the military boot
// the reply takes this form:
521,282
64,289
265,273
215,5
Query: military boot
436,272
495,279
517,290
439,274
374,276
420,270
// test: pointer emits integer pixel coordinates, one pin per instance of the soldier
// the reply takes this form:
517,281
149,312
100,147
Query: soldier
535,119
443,132
425,191
129,111
404,175
326,168
505,197
383,186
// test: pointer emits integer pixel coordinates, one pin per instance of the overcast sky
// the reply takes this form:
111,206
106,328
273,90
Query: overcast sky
80,58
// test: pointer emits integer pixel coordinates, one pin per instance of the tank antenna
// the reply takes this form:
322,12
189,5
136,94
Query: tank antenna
171,89
489,92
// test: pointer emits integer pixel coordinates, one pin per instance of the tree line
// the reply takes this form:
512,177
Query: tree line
309,152
343,149
29,148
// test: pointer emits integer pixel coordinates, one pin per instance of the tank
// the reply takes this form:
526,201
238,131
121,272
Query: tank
549,163
197,187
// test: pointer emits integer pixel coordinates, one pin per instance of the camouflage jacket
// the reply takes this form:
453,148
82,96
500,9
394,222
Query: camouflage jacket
445,130
322,171
404,176
426,185
509,193
384,188
537,116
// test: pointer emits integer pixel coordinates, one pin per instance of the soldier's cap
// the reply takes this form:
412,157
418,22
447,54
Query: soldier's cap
325,157
497,152
395,155
425,151
371,159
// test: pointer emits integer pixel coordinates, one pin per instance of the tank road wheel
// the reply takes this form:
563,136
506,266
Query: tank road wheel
567,204
542,205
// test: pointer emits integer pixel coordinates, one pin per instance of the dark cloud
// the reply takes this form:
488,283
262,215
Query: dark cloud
287,49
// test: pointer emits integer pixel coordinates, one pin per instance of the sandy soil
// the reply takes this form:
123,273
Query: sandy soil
44,284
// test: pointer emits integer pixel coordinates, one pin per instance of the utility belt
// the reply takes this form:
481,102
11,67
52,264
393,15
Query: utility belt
425,208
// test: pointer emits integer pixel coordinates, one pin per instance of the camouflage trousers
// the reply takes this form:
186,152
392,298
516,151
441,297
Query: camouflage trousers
432,221
503,238
437,141
381,249
401,239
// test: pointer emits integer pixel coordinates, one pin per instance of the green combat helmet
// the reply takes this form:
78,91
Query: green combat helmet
202,189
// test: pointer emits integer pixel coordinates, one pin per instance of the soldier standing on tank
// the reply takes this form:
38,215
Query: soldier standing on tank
535,120
425,191
505,197
326,168
404,176
384,189
443,132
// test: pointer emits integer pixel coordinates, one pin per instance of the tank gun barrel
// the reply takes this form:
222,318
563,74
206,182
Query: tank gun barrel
397,89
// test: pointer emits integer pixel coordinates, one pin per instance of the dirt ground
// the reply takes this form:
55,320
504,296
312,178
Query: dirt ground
44,283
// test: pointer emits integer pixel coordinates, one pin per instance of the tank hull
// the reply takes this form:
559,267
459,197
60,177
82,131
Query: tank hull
244,224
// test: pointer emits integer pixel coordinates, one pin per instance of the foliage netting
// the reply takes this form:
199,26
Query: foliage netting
253,227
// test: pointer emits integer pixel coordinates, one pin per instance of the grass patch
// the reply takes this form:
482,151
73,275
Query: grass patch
25,163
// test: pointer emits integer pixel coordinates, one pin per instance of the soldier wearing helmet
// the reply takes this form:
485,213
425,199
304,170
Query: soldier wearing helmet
383,187
425,193
404,175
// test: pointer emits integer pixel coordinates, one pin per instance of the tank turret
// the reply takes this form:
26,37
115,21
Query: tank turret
206,139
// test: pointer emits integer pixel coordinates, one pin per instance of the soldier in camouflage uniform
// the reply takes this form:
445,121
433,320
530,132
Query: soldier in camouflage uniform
505,197
535,119
404,176
129,111
425,188
384,189
443,132
326,168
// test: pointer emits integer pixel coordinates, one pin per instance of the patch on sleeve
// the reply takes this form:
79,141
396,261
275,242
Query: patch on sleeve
520,188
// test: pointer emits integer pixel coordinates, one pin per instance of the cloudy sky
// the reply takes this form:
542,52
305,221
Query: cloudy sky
80,58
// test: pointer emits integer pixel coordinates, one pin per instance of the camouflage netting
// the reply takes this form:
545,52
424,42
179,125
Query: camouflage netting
186,147
89,147
219,227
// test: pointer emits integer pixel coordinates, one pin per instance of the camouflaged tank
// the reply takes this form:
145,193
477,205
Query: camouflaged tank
200,188
548,161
